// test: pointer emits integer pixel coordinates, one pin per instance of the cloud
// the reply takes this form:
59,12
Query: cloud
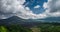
45,5
37,6
9,8
52,8
28,14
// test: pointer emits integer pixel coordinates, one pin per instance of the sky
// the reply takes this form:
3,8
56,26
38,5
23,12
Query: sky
29,9
35,5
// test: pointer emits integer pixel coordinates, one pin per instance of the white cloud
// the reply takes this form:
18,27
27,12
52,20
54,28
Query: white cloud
37,6
45,5
53,8
15,8
10,8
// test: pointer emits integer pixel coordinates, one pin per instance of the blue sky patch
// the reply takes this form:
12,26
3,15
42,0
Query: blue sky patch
32,3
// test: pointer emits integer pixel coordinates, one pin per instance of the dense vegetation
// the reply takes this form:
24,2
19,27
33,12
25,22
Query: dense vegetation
14,28
39,28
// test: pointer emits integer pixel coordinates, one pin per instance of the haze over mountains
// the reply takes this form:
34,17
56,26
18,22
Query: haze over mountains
28,22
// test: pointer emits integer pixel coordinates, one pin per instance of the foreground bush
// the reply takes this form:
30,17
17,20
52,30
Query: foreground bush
3,29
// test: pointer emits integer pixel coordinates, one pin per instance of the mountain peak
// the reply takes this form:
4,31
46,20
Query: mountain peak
14,17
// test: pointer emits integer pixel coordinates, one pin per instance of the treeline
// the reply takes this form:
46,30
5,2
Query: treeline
14,28
39,28
49,28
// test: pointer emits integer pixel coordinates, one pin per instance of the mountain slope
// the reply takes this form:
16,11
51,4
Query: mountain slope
17,20
12,20
27,22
